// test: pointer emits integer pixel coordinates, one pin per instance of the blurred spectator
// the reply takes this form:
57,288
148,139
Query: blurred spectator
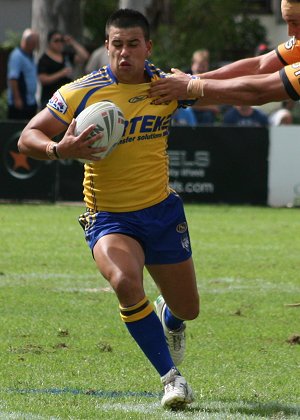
22,78
55,66
245,116
200,61
283,115
200,64
98,58
262,48
184,117
77,54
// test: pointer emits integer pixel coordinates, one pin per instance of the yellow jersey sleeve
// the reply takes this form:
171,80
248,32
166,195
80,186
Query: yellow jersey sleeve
135,175
289,54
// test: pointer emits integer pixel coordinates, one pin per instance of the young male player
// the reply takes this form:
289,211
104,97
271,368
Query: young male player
133,218
274,76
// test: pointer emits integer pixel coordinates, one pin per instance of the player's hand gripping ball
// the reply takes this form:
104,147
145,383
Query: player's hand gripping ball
109,120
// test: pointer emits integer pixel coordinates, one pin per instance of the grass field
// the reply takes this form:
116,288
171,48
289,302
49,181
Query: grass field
65,354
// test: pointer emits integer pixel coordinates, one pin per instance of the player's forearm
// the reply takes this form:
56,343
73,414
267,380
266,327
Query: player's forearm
33,143
251,90
236,69
265,64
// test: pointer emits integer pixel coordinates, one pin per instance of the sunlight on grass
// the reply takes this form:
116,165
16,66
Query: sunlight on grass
65,354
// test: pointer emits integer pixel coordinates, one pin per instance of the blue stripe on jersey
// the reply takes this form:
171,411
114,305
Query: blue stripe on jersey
84,100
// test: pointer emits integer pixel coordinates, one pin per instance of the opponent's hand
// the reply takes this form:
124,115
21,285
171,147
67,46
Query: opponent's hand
170,88
79,147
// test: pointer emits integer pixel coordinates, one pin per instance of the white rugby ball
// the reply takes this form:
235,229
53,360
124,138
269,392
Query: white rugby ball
109,120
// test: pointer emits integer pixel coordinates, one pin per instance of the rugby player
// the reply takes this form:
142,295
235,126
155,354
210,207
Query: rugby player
133,219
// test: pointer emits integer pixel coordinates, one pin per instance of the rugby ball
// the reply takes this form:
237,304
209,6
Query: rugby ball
109,120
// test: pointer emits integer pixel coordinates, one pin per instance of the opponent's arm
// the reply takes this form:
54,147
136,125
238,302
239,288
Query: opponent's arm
246,90
175,87
36,139
263,64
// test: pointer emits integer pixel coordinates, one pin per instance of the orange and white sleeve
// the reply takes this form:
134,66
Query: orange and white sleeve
289,54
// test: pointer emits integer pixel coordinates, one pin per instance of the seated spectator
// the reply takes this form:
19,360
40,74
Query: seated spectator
262,48
205,115
55,66
245,116
184,117
283,115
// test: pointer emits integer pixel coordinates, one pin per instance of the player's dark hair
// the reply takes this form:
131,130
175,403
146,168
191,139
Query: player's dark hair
128,18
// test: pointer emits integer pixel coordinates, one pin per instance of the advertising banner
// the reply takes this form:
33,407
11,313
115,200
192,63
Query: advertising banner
207,164
219,164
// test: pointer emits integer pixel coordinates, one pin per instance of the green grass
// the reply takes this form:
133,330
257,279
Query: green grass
65,354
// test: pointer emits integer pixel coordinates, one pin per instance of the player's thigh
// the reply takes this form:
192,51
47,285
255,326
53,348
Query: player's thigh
120,259
178,285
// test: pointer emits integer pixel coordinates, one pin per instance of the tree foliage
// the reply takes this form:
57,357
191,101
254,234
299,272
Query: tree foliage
221,26
180,27
95,14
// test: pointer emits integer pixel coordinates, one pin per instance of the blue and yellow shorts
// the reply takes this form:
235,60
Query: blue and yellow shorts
161,229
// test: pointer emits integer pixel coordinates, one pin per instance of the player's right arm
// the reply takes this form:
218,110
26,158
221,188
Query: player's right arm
41,129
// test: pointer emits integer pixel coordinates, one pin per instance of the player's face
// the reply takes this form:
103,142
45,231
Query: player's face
128,50
291,15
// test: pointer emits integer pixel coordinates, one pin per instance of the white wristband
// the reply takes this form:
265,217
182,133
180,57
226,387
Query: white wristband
195,88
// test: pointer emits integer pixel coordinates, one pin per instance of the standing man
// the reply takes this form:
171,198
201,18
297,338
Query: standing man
22,78
274,76
133,218
98,58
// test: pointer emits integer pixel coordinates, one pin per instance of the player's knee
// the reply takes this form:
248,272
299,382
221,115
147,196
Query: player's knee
125,287
189,312
193,313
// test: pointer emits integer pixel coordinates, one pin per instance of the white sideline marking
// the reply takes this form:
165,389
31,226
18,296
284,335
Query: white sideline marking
222,410
12,415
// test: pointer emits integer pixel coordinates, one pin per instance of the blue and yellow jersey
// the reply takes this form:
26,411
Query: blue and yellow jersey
289,54
136,174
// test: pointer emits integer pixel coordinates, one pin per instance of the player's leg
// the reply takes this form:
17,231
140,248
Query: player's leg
168,258
120,259
179,301
178,286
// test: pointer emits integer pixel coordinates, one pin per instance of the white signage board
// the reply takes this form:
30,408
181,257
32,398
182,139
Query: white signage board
284,166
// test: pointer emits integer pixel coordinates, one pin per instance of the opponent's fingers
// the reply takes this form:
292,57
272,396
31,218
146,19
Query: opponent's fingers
159,89
162,100
176,71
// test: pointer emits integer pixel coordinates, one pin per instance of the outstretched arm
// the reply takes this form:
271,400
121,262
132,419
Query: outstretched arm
245,90
176,86
263,64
